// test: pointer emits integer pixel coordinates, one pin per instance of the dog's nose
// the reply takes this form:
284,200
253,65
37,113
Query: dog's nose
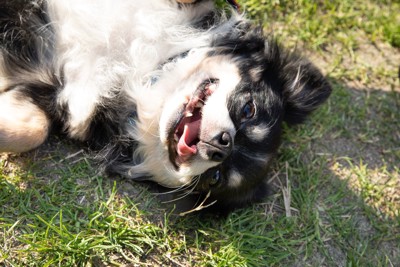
220,147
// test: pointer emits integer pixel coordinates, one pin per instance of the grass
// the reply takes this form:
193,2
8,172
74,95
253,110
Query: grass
340,172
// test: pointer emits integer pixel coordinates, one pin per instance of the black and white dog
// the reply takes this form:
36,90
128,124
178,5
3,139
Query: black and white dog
167,91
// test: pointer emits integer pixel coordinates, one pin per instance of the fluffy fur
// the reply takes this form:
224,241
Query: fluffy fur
175,93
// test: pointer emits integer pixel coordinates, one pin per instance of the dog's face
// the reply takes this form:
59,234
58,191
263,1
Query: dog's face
221,128
221,121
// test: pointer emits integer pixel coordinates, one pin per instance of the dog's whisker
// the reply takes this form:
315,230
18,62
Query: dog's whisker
192,184
272,123
201,206
190,190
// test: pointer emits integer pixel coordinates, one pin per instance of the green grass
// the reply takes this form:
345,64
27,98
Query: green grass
340,172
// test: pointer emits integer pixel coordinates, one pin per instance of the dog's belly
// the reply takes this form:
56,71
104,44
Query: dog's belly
105,47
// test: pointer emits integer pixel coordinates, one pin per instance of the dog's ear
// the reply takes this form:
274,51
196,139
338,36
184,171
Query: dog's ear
304,88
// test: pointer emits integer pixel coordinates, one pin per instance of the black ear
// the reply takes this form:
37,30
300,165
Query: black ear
304,88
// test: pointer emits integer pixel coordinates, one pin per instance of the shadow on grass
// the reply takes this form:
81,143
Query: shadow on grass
339,173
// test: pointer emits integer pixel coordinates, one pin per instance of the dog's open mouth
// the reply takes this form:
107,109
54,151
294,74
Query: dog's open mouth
184,135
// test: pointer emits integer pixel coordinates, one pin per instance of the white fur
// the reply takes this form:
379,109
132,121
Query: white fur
235,178
103,44
258,132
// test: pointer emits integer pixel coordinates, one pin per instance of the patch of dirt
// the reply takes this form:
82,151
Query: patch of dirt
362,63
345,148
49,156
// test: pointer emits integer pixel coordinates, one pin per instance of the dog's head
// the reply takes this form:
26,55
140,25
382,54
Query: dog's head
222,113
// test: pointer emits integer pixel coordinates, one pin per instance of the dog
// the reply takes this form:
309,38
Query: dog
174,92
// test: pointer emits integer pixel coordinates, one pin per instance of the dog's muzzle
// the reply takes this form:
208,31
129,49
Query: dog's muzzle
183,138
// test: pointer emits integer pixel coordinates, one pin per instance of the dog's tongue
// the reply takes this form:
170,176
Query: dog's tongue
186,147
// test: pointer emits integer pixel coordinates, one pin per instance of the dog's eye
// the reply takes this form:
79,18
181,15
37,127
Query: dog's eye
216,177
248,111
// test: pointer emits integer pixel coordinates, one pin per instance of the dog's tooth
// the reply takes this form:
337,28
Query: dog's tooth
187,99
188,114
199,104
211,88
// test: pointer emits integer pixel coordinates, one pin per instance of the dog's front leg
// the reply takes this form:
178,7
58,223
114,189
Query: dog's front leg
23,125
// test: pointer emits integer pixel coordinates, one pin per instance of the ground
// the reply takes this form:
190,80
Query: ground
336,180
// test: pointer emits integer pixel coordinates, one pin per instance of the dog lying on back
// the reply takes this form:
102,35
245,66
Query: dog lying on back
167,91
